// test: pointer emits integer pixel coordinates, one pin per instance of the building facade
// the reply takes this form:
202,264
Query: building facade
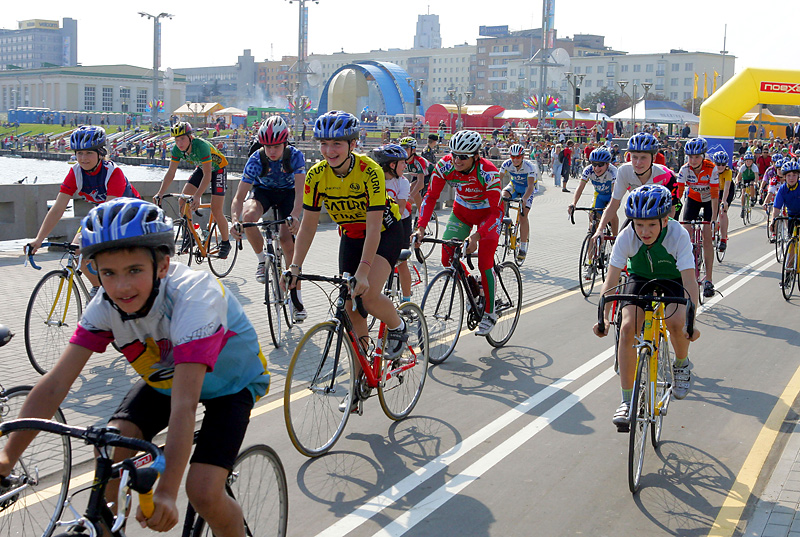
232,85
428,33
99,88
39,43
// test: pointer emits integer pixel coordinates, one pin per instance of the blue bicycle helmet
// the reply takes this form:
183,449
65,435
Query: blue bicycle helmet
336,125
125,223
696,146
643,142
601,154
648,202
88,138
389,153
776,157
790,166
720,157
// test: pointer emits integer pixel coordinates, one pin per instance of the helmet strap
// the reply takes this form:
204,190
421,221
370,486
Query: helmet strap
350,161
648,170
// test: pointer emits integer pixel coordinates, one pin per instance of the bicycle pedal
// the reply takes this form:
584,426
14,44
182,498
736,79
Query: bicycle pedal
624,428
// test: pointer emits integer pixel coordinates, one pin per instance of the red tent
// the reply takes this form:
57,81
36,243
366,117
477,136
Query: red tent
473,116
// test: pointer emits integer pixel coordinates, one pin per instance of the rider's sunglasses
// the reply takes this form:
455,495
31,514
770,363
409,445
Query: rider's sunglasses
460,157
599,164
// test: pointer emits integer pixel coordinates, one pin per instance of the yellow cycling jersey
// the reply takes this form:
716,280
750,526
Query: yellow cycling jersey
349,198
723,178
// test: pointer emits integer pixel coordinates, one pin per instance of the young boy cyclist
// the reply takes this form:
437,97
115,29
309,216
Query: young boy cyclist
658,254
788,196
524,174
273,177
190,341
727,190
392,160
95,179
211,170
352,187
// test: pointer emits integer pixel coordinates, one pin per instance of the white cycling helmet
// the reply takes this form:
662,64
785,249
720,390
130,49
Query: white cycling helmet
516,150
465,142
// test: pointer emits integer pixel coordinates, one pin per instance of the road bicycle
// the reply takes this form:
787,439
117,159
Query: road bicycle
418,268
590,264
197,244
443,303
790,264
696,234
276,299
747,207
509,232
257,482
432,231
321,372
768,210
54,308
652,389
32,500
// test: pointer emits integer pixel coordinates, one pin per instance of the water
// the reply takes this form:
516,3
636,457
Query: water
54,171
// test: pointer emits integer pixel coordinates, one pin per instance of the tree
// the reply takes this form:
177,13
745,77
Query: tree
687,104
608,96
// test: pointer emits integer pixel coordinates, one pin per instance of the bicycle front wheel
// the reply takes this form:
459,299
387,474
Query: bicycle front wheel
507,303
586,268
51,318
44,471
780,239
663,389
273,301
789,269
443,307
184,241
220,266
402,379
320,375
258,484
419,279
640,421
504,245
431,231
717,242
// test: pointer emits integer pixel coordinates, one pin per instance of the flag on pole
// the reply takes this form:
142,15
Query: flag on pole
695,86
705,85
716,75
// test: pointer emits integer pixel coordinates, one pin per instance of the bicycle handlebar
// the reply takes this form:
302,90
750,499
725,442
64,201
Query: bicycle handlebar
349,281
645,300
587,209
459,245
141,479
72,248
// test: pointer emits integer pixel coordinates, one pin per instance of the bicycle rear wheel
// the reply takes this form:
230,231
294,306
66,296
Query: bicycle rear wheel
258,484
402,379
507,303
616,319
789,269
640,421
220,266
769,222
663,389
780,239
44,471
273,301
586,267
319,376
52,315
443,307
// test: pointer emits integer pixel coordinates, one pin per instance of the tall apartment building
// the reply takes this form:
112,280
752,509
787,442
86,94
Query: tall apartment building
428,33
39,43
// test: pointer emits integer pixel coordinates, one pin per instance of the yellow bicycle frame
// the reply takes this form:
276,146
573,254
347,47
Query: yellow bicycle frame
654,326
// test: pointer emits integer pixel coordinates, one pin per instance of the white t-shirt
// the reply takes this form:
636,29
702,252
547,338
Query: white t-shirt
399,189
627,179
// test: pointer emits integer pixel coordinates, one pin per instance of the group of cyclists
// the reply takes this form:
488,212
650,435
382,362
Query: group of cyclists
189,339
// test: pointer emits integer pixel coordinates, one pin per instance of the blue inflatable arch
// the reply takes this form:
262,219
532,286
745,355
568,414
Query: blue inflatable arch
390,79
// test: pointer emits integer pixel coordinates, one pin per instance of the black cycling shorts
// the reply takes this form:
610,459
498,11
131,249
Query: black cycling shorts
219,180
350,249
731,194
692,210
221,433
407,223
283,200
643,286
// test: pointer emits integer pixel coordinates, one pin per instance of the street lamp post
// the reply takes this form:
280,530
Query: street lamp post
633,109
622,85
646,86
459,99
574,81
156,59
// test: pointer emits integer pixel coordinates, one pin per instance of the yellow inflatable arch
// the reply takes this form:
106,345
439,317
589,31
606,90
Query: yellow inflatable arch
719,113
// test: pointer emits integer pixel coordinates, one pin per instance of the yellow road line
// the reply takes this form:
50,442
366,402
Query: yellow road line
731,511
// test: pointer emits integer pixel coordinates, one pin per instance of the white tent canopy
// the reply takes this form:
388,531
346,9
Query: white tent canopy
582,116
231,111
658,112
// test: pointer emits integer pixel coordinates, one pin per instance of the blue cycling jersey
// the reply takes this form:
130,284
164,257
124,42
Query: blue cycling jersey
789,198
275,178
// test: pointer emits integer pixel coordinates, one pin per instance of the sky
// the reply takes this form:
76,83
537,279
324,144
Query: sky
111,33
